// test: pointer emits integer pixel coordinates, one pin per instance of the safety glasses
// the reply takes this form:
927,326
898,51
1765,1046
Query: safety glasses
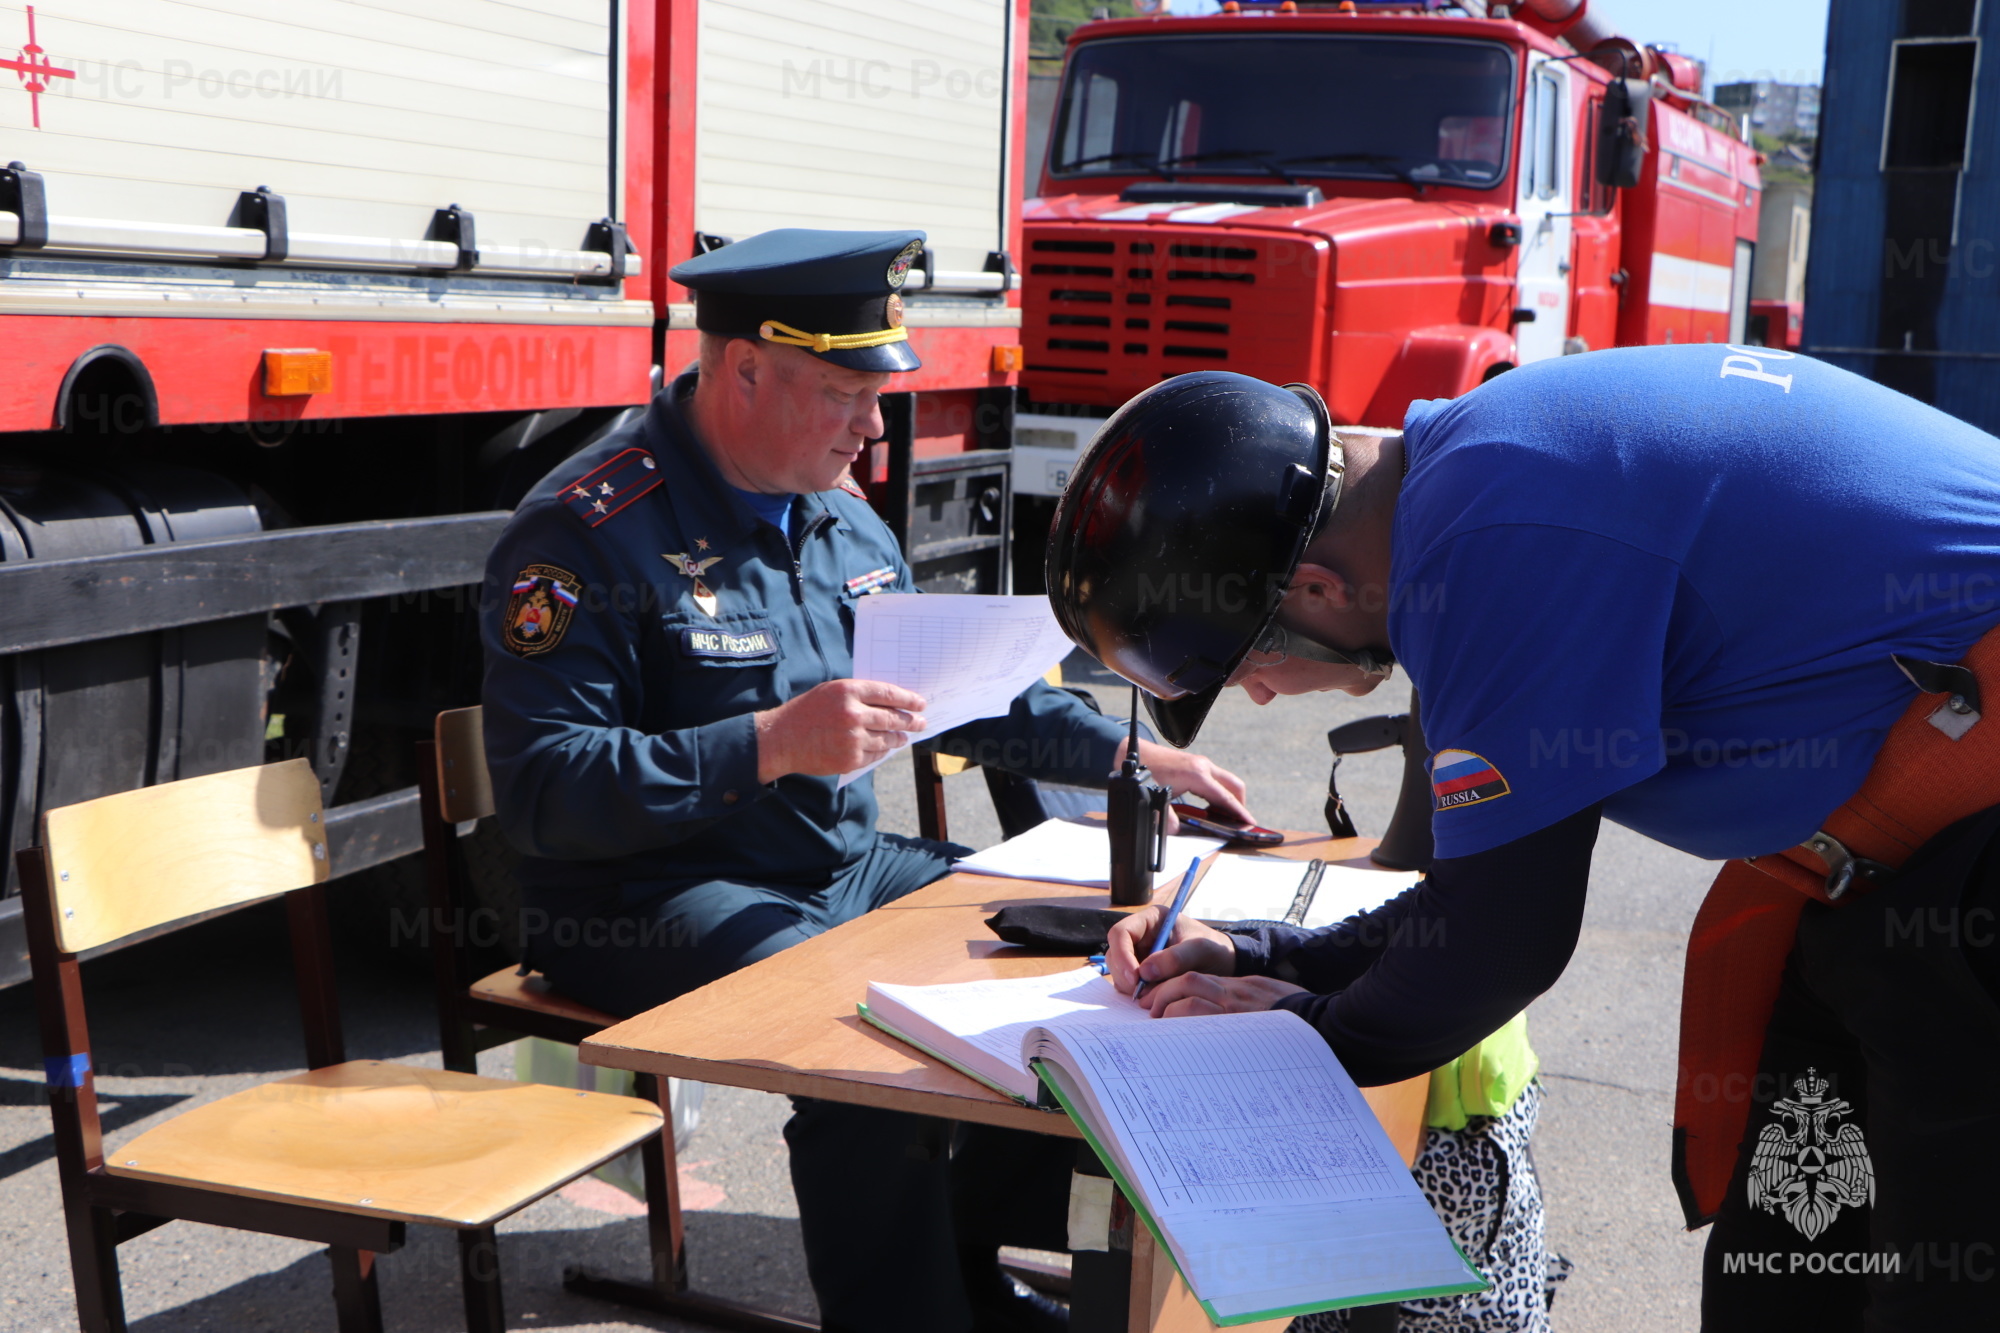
1277,643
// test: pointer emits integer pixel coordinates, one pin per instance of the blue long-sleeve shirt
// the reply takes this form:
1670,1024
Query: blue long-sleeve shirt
637,614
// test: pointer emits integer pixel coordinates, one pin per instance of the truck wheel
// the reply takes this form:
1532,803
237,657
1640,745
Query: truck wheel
1494,371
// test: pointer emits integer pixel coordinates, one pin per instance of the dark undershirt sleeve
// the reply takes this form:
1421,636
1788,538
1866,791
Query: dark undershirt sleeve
1425,977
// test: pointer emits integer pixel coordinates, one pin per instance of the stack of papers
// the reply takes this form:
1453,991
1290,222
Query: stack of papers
1063,852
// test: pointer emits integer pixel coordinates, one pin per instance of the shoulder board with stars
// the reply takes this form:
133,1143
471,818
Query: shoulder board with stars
851,486
607,489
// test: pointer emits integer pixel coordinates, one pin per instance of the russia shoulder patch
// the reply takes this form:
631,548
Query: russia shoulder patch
539,609
1460,777
610,487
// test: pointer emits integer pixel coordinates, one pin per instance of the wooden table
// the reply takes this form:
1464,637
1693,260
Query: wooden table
788,1024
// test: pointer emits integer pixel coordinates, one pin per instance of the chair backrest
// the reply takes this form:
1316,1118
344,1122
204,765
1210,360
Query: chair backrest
110,868
126,863
465,790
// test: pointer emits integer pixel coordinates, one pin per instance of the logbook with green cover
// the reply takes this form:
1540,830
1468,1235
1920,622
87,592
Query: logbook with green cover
1254,1160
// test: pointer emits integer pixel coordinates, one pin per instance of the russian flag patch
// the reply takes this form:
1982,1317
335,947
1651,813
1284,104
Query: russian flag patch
1460,777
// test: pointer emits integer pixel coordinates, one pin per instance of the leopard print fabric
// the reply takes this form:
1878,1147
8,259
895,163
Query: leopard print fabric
1482,1183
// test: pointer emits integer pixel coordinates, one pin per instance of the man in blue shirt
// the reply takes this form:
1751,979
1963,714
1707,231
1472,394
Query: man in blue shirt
669,622
1691,590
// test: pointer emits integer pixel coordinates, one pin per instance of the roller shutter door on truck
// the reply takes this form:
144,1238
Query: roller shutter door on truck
368,119
864,115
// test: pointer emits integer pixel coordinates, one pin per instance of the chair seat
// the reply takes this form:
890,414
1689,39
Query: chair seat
534,993
393,1141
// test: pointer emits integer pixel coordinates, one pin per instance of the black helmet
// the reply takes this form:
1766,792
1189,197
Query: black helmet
1180,528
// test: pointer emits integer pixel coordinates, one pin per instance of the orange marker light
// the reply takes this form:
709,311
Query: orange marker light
1231,7
1007,359
290,372
1289,7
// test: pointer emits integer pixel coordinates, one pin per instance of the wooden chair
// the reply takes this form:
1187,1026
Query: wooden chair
931,769
477,1012
345,1154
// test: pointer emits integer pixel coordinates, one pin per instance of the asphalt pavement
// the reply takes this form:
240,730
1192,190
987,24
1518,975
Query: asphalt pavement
210,1010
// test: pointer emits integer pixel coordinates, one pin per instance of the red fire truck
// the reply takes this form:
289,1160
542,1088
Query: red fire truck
1385,201
296,301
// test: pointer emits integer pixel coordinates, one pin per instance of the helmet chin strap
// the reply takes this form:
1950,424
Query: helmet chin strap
1292,643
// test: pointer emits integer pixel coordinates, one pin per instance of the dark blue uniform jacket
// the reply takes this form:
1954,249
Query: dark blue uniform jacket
618,709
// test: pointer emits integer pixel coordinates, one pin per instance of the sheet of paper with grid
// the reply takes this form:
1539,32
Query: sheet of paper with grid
1229,1114
967,654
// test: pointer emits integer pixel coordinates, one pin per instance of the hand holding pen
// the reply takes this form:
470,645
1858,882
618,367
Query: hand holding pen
1188,975
1148,935
1167,922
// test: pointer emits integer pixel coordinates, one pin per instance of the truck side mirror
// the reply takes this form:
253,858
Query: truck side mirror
1621,133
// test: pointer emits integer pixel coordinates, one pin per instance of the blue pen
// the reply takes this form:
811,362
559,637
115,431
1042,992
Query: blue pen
1166,930
1097,961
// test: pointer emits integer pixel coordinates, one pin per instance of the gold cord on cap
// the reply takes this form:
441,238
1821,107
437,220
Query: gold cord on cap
772,331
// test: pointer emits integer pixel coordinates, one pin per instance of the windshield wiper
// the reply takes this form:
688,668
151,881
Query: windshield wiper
1388,161
1256,156
1150,162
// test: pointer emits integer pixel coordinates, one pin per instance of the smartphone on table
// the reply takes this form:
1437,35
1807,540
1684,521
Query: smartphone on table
1197,820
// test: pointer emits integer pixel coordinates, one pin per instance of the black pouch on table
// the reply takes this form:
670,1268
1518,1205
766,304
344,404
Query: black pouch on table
1081,931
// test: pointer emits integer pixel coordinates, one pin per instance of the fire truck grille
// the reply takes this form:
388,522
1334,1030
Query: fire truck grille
1182,303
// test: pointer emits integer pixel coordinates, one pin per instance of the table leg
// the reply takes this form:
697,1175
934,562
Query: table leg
1100,1285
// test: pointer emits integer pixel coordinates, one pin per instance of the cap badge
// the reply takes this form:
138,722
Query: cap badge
704,597
899,267
893,311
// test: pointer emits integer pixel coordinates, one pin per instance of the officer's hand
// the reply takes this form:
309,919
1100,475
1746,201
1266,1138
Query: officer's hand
1191,774
1195,993
1194,948
836,727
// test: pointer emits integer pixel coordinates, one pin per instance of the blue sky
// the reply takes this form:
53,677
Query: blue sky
1783,40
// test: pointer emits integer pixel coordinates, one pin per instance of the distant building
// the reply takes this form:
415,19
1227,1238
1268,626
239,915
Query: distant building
1904,280
1776,109
1784,231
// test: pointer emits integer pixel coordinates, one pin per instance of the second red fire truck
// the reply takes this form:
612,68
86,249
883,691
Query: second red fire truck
1387,202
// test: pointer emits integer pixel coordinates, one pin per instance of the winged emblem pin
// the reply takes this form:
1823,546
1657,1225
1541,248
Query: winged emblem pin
704,596
694,569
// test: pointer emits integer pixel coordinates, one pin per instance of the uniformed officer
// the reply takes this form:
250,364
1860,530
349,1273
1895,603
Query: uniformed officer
1731,598
668,626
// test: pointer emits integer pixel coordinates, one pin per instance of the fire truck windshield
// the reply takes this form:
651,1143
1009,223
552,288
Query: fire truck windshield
1425,111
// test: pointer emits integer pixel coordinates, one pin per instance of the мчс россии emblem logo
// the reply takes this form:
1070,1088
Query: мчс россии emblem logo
1811,1162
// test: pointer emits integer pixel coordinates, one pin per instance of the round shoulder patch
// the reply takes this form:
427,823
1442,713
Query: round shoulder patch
539,611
